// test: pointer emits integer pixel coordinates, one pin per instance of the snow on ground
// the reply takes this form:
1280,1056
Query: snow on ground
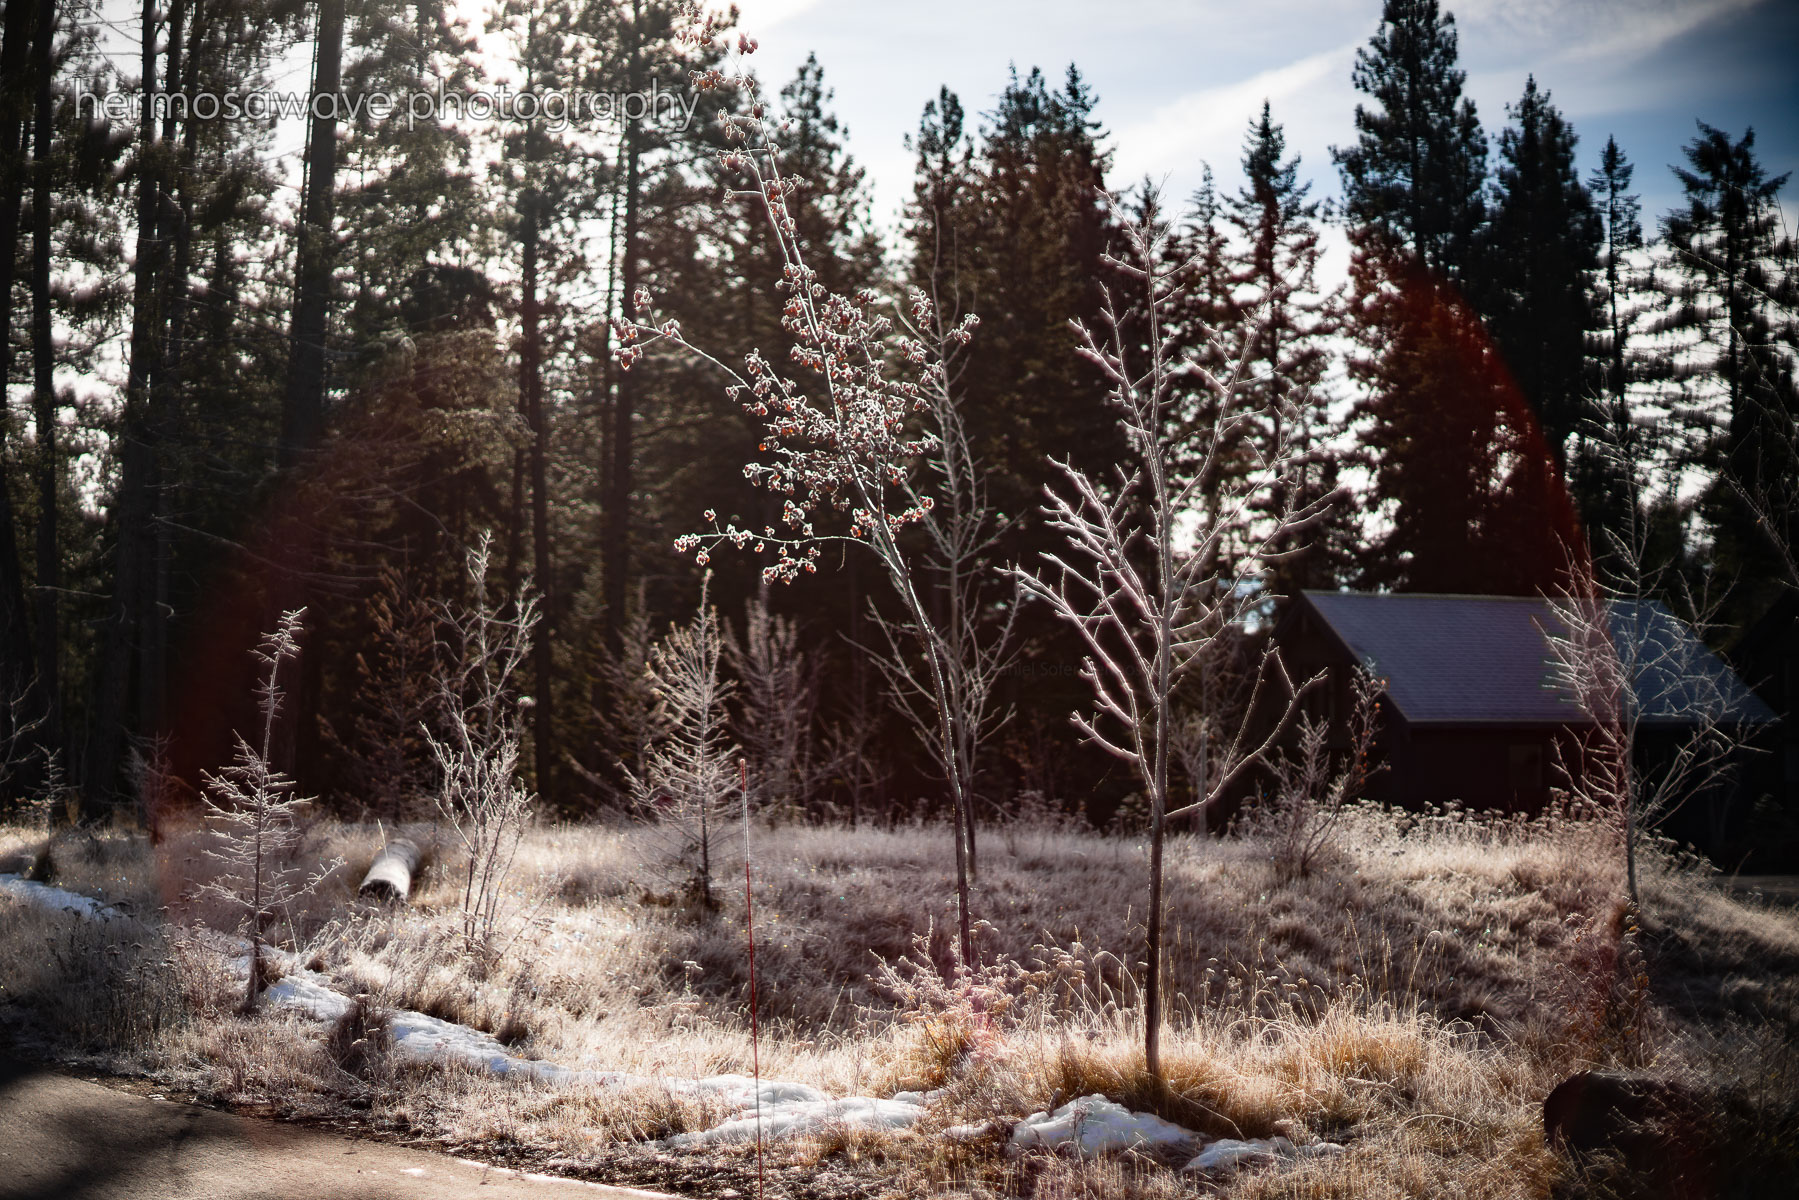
788,1118
1227,1156
1096,1125
787,1108
42,895
772,1108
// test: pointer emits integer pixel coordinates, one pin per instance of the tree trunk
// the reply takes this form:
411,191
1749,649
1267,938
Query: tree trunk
137,453
303,409
615,542
16,657
531,397
303,406
44,385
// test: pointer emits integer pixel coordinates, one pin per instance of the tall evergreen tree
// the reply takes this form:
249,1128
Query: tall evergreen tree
1604,488
1459,480
23,67
1541,250
1414,181
1288,321
1012,225
1726,243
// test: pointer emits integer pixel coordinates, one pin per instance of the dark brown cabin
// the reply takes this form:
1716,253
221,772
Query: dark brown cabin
1472,710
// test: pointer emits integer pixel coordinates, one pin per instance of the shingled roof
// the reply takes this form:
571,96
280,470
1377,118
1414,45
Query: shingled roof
1457,660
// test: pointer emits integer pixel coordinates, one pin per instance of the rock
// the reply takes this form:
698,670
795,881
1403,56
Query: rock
1596,1110
1665,1133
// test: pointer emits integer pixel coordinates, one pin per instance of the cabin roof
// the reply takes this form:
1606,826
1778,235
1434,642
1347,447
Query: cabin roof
1458,660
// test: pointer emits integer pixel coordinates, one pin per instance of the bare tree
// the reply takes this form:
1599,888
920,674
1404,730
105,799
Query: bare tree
851,757
251,807
687,781
21,754
972,629
623,709
1146,580
477,749
1630,667
846,451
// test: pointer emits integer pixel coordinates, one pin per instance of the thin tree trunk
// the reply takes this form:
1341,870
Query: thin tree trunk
1162,706
303,406
153,618
615,542
531,393
303,409
136,458
44,384
16,657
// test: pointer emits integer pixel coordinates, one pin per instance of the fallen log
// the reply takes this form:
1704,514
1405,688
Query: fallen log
390,875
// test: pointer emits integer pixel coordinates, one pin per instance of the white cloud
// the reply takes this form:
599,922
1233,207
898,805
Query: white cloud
1311,98
757,16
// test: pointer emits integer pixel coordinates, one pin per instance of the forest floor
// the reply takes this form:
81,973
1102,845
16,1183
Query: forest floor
1413,997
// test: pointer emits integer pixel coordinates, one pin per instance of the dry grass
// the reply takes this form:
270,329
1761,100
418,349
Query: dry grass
1415,997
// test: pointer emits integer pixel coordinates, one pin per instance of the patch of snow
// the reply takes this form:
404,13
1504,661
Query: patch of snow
976,1131
787,1108
796,1117
425,1038
307,991
930,1097
1096,1125
741,1091
42,895
1227,1156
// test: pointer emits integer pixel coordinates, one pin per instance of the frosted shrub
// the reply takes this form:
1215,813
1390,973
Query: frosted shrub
477,750
251,807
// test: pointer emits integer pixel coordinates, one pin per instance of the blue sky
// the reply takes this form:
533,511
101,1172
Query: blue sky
1179,81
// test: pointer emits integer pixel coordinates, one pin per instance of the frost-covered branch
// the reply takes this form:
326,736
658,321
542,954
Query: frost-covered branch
1168,554
251,808
477,749
842,449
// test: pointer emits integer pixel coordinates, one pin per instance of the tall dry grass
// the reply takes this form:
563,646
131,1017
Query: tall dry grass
1414,996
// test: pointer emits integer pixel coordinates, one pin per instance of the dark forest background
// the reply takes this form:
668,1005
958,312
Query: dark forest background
324,400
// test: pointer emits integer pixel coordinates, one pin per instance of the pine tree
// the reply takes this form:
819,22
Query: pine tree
1607,495
1541,250
1413,182
1287,322
1457,476
315,250
1726,243
654,194
1013,225
1027,231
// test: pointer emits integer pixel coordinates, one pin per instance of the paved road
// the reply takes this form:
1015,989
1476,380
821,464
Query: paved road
67,1139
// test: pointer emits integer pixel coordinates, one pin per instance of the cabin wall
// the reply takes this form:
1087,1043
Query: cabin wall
1507,768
